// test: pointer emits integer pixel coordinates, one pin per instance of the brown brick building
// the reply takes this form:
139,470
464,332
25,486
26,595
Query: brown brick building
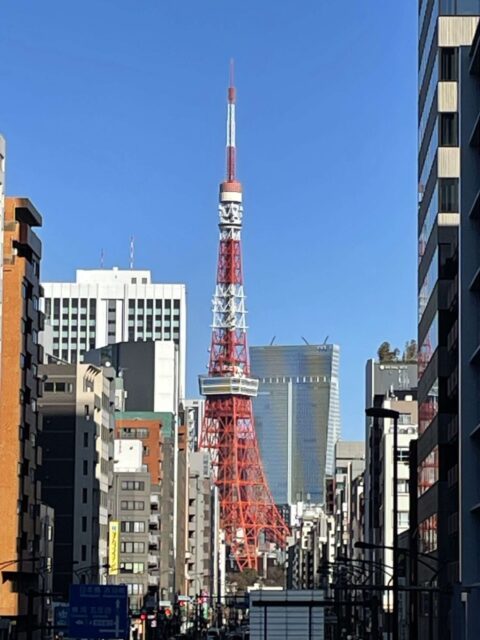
20,492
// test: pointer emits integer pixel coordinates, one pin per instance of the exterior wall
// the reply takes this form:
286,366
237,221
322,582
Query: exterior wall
150,424
2,216
444,29
20,490
467,606
200,519
107,306
297,447
77,408
149,370
138,557
349,465
191,414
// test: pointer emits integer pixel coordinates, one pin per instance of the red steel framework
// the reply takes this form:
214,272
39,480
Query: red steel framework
248,513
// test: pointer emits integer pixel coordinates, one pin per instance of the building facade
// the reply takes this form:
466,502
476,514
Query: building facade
149,370
349,465
20,488
297,417
106,306
77,409
200,565
445,28
135,515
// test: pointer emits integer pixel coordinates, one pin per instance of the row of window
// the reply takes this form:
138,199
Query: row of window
428,537
132,505
133,526
133,485
132,547
134,433
58,387
132,567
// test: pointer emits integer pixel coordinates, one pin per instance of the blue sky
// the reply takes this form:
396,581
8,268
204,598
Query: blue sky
114,113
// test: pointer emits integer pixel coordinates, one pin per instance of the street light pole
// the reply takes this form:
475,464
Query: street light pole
381,412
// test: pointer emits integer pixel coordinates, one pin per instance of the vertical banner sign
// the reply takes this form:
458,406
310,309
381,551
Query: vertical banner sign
113,547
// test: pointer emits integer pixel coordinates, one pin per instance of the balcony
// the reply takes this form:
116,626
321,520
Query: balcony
152,562
154,502
153,523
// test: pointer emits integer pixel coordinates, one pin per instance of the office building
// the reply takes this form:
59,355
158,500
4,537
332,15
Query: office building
134,526
349,465
149,370
200,525
106,306
466,604
382,380
77,409
297,417
311,549
445,29
191,415
20,488
156,431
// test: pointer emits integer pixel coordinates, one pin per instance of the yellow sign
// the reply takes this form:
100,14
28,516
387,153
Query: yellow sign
113,547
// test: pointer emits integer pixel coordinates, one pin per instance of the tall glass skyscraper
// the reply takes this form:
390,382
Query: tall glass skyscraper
297,417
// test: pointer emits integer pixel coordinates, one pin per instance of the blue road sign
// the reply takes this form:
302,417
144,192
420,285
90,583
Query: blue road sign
98,612
60,615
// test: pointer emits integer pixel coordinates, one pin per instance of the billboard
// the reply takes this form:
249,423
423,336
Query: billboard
113,547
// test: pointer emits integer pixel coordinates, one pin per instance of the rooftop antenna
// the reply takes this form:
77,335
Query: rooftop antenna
325,341
132,251
272,340
102,256
305,341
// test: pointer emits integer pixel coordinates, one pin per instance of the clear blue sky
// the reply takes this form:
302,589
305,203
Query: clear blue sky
114,114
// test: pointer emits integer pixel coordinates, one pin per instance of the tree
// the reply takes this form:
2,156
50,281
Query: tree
410,353
387,354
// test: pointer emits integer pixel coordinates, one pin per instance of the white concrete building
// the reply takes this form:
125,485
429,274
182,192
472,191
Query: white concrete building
107,306
407,430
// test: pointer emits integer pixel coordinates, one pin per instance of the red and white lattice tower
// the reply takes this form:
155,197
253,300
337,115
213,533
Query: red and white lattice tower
247,510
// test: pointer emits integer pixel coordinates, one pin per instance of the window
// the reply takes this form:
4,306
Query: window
448,64
84,496
84,524
428,534
84,552
402,454
448,195
135,589
48,386
405,418
428,472
132,567
85,467
132,526
402,486
448,130
129,432
402,521
133,485
132,505
132,547
85,439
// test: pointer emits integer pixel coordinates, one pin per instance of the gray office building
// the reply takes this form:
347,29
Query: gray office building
448,180
297,417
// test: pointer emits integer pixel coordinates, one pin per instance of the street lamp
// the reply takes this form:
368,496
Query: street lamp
381,412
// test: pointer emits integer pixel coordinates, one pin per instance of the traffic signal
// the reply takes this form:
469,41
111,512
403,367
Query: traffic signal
168,612
143,615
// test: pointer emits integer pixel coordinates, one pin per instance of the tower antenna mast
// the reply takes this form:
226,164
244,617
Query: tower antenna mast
247,510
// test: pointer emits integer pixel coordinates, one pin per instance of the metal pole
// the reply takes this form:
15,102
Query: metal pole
430,615
395,529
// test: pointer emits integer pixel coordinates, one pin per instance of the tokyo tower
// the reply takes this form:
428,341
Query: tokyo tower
248,513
